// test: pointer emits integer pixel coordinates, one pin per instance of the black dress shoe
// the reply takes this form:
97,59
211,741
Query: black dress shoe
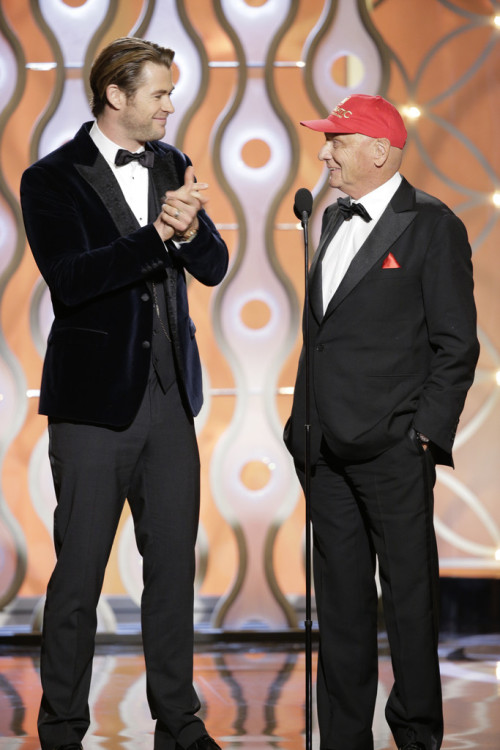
71,746
205,742
413,746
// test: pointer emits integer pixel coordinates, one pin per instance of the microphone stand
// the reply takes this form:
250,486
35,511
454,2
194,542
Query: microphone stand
307,491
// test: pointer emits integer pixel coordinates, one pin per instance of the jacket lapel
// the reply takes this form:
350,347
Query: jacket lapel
164,174
94,169
393,222
333,222
100,177
164,177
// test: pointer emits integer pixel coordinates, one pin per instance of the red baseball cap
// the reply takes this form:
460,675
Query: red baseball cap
365,114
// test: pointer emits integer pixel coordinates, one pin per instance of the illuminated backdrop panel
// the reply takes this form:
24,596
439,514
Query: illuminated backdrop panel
246,72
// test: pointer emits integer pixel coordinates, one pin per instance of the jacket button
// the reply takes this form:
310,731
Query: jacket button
145,297
146,345
320,348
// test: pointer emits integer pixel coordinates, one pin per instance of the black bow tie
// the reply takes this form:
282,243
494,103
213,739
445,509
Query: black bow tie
146,158
348,209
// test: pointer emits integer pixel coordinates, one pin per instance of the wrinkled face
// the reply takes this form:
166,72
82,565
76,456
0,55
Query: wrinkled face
144,115
350,161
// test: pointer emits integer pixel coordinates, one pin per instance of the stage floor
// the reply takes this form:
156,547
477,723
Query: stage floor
252,696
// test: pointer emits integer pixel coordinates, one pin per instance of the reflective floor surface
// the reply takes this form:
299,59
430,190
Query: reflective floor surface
252,696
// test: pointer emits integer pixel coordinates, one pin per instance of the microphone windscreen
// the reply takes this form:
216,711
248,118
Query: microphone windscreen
303,202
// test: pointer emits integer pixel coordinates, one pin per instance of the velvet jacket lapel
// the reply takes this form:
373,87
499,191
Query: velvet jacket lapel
94,169
164,173
100,177
164,177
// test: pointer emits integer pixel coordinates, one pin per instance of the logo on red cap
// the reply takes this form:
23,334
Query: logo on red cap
340,111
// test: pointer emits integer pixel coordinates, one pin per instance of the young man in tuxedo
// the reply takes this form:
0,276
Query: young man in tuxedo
393,348
114,219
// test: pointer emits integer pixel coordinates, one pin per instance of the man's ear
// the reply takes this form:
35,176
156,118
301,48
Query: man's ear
382,149
115,96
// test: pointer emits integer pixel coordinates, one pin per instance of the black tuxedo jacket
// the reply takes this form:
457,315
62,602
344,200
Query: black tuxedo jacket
397,346
96,261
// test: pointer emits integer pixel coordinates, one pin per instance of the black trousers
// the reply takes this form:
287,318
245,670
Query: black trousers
154,463
380,509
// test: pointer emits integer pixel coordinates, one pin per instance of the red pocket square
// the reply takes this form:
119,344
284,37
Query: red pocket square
390,262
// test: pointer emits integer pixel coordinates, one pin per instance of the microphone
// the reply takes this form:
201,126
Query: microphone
302,207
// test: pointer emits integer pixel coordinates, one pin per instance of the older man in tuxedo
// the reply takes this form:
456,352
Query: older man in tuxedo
393,348
114,219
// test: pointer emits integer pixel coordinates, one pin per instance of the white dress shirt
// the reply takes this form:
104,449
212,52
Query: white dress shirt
351,235
132,178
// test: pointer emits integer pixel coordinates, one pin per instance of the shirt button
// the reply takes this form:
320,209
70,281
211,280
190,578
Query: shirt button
145,297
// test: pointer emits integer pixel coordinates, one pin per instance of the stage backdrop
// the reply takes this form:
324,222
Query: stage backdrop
246,72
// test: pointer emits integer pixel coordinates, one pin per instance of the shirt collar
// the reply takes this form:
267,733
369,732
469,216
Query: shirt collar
376,201
106,146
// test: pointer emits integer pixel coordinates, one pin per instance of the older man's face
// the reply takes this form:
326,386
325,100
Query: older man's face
349,158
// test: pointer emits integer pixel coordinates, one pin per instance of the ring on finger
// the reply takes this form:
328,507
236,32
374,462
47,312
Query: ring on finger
177,213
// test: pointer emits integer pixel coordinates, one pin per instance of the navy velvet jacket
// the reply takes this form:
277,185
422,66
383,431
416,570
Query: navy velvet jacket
96,261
